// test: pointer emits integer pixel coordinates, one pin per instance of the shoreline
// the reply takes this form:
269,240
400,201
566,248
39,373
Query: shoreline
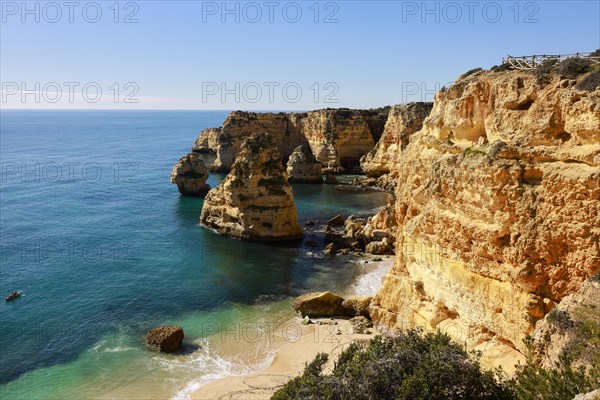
290,357
299,344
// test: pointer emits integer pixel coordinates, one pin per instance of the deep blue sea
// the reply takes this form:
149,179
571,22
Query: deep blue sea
103,248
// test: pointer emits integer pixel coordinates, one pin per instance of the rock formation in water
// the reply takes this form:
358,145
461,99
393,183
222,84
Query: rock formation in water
303,167
165,338
498,208
382,160
254,201
190,175
373,235
337,137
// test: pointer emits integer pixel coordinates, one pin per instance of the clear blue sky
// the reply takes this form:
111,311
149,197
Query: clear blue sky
180,54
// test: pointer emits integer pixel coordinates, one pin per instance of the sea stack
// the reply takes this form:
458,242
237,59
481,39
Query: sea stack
254,201
303,167
190,175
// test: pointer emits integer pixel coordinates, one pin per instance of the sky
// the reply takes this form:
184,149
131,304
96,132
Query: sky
268,55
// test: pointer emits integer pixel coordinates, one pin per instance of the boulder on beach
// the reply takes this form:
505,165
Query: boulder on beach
354,306
165,338
321,304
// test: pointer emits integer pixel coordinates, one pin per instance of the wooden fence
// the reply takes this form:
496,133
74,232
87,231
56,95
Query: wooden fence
532,62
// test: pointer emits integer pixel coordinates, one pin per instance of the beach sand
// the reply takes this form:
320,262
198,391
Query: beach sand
294,350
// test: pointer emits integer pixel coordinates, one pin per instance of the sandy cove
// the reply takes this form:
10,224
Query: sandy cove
290,358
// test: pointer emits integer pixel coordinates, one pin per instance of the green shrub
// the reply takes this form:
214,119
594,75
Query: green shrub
562,383
546,68
410,365
591,82
572,67
501,67
470,72
559,318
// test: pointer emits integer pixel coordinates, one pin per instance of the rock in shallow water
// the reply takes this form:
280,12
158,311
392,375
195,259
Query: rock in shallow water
165,338
303,167
190,175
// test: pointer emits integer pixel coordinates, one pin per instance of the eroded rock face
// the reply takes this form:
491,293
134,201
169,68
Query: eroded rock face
240,125
207,141
337,137
190,175
498,208
403,120
303,167
254,201
340,137
165,338
567,330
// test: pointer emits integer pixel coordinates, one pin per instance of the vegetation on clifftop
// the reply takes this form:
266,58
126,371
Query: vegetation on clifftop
430,366
408,366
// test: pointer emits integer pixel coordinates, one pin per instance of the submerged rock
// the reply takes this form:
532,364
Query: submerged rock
329,178
330,249
303,167
190,175
338,220
165,338
254,201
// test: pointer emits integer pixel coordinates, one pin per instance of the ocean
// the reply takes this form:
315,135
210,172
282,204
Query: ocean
104,247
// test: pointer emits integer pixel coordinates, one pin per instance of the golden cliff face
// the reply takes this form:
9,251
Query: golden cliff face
498,208
403,120
240,125
254,201
338,137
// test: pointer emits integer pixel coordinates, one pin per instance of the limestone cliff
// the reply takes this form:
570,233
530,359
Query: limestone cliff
239,125
571,329
498,207
254,201
403,120
340,137
303,167
207,141
190,175
337,137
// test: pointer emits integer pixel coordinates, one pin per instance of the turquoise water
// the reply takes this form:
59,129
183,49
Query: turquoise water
103,248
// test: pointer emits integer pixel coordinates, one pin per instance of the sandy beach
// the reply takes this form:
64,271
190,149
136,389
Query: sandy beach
294,350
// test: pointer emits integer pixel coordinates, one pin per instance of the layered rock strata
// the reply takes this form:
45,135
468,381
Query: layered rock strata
403,120
254,201
498,208
337,137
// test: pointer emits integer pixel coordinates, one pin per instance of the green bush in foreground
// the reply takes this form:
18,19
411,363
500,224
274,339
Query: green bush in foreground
429,366
408,366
